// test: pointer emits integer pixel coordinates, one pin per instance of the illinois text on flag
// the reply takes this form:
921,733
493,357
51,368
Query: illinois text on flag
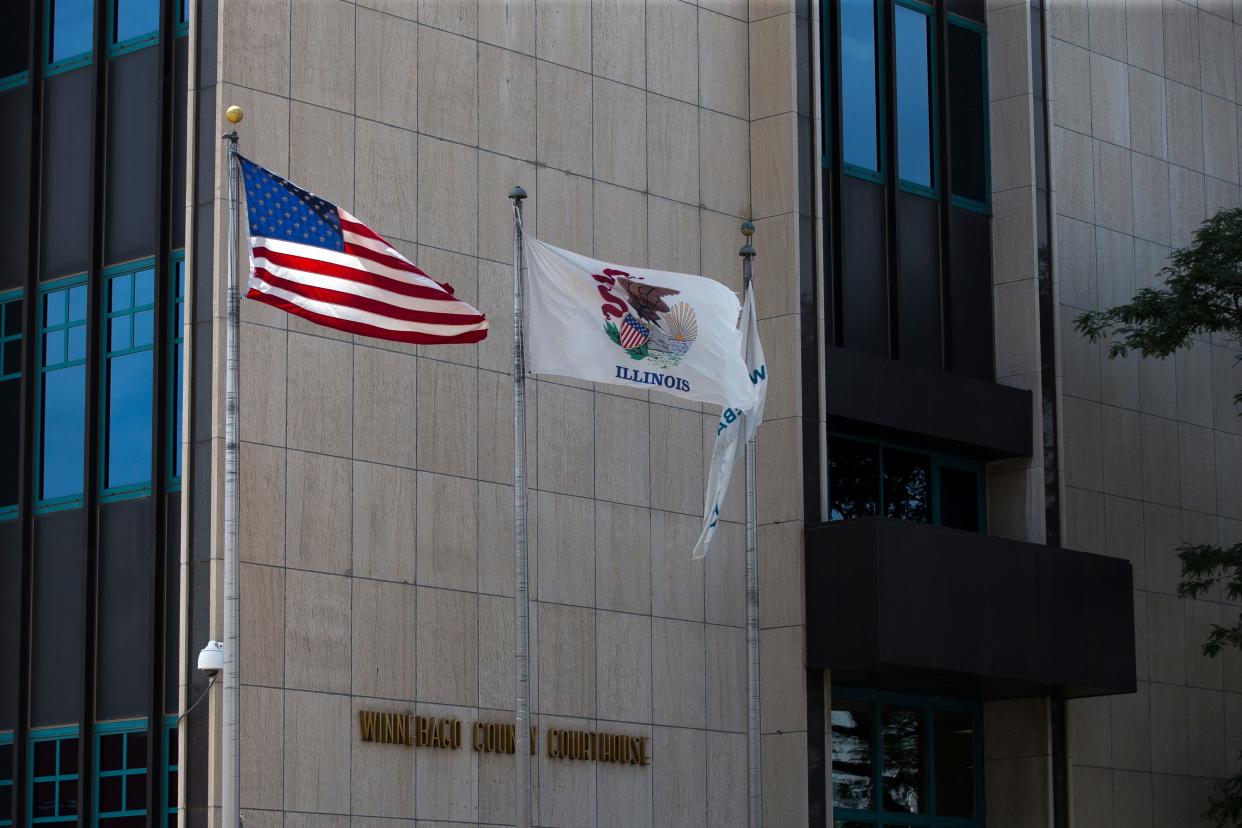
311,258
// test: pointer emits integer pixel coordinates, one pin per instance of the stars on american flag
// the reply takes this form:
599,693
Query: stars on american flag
280,209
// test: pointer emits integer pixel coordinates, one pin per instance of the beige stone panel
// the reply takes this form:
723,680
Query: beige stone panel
496,773
321,159
495,353
1132,795
725,572
724,163
564,33
673,149
1194,389
721,240
1016,791
387,71
386,172
1216,51
1130,734
774,170
496,426
773,67
1147,118
1171,799
1080,359
1121,451
407,9
383,639
447,418
382,777
619,118
263,625
672,49
623,794
447,86
564,113
262,385
564,206
737,9
496,539
784,783
1075,254
620,226
1074,174
566,434
566,787
1084,520
1150,184
384,523
497,176
726,780
566,549
303,820
726,678
385,407
677,586
509,24
723,67
1197,453
506,105
1009,63
676,446
322,42
782,656
1181,43
1012,154
1092,795
618,41
256,45
776,266
1170,723
1162,532
262,819
261,534
447,646
1225,376
622,457
1184,110
496,652
1220,195
566,660
623,558
781,577
1228,482
1115,270
679,769
447,531
1083,442
1202,670
1108,29
319,732
672,236
264,137
317,632
778,450
448,195
1015,728
320,412
461,273
1123,522
677,670
1113,187
318,519
460,16
1088,726
1160,458
262,747
1145,36
1069,21
1110,100
623,666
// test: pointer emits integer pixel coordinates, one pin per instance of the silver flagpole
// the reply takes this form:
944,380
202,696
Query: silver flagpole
521,597
230,770
754,736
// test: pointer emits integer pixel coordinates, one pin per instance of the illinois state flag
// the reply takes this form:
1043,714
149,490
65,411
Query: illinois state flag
311,258
636,327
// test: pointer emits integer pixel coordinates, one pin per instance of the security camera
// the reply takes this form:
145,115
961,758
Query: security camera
211,659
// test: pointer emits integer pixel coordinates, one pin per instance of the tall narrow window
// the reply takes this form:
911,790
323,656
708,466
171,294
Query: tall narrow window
62,396
10,403
121,768
53,793
135,24
129,380
915,61
860,113
968,107
14,48
176,371
6,779
170,772
183,17
70,32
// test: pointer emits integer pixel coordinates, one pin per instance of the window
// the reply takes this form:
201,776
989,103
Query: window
170,772
914,56
135,24
183,17
6,778
905,760
176,335
10,401
860,112
70,32
53,776
968,106
129,331
867,479
14,51
62,395
121,774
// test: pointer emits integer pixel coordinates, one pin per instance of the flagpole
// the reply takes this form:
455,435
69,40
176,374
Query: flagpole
521,596
230,767
754,736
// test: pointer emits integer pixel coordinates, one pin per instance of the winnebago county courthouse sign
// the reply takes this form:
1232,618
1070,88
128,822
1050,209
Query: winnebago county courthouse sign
498,737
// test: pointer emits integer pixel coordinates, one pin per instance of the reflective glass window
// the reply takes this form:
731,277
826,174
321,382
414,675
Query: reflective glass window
913,56
10,402
853,772
121,774
6,779
170,772
907,485
62,394
129,380
14,45
853,479
956,793
901,732
959,499
135,19
71,30
53,791
177,371
860,112
966,61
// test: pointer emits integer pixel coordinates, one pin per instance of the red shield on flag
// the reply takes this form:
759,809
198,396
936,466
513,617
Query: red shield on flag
634,334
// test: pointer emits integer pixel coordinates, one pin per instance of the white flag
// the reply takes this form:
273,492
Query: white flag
736,426
633,326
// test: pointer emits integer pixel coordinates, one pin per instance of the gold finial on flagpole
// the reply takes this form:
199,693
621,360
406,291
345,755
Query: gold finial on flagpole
234,114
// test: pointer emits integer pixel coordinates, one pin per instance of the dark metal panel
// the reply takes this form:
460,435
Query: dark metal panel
918,280
864,257
179,97
14,185
970,294
974,9
132,198
10,623
126,561
14,42
59,596
65,243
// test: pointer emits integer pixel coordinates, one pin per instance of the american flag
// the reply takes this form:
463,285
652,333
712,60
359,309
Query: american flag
311,258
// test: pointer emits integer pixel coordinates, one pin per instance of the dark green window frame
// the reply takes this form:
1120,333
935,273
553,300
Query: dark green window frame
176,366
6,778
937,462
70,501
65,773
933,104
877,816
169,793
985,206
10,369
70,62
12,82
126,319
134,43
130,736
